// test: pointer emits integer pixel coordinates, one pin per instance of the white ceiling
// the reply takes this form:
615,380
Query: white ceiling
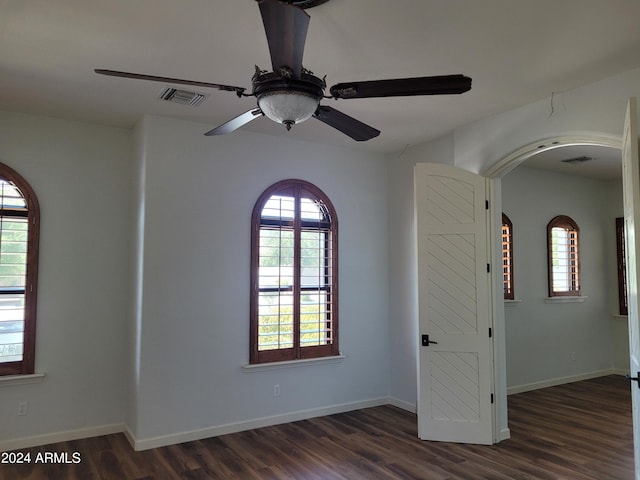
516,51
605,162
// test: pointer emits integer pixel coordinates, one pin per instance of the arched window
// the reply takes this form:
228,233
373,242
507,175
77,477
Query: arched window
294,277
507,257
19,225
563,252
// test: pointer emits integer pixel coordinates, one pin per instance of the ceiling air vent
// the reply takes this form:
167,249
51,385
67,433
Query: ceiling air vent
577,159
182,97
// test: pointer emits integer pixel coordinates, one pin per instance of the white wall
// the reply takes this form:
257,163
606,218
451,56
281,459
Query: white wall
194,316
144,276
546,341
403,304
80,173
136,270
596,108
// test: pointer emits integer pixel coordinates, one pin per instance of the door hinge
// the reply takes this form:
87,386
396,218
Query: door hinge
486,204
488,268
492,398
490,332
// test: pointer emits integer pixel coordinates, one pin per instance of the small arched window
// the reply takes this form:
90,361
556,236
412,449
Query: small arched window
507,257
19,231
294,277
563,252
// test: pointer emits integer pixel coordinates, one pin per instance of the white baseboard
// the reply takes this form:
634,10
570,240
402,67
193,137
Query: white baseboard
560,381
66,436
504,434
396,402
131,438
171,439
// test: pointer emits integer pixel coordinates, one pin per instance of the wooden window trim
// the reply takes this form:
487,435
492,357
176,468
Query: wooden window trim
27,365
507,277
297,189
567,223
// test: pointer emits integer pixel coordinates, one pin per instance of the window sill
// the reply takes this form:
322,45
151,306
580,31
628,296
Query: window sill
509,303
8,380
565,299
621,317
259,367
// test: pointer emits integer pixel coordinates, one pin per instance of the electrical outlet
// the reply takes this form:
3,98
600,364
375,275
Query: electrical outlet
276,390
573,356
22,408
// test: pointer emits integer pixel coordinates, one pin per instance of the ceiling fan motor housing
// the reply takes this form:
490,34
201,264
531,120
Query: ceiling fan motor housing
285,99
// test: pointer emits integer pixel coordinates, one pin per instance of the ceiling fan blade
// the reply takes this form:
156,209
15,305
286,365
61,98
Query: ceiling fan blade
235,123
403,87
348,125
153,78
286,27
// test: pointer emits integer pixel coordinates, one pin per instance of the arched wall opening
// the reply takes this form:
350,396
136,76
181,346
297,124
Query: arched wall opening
506,164
495,172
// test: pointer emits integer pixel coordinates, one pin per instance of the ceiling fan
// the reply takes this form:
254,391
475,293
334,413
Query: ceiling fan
291,94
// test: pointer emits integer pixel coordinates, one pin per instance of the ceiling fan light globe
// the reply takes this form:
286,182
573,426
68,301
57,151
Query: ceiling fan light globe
288,107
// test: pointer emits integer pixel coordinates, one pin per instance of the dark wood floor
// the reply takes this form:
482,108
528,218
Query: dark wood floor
575,431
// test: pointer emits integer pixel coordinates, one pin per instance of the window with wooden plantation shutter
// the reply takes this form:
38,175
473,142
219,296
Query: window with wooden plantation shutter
622,267
294,294
19,223
507,257
563,251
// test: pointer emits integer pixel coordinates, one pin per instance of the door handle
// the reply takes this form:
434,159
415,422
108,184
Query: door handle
634,379
426,342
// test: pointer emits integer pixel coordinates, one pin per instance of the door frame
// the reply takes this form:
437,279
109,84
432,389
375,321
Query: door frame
494,173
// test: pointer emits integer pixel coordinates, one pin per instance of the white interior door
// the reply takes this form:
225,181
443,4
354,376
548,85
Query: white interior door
631,194
454,374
